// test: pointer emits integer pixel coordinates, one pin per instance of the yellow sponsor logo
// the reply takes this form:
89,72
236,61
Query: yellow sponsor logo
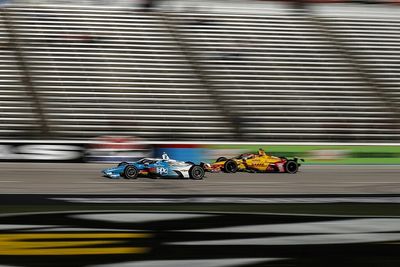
40,244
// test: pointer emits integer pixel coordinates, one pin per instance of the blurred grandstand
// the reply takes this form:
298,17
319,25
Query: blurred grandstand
200,71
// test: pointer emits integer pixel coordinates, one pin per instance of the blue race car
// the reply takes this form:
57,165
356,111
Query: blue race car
155,167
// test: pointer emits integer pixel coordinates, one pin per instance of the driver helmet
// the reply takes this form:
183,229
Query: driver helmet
261,152
165,156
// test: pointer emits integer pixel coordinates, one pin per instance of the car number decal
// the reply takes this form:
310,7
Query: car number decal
162,170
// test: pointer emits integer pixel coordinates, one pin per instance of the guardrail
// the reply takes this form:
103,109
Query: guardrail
124,149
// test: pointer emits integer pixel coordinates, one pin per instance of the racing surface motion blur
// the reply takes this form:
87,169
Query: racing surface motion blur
199,133
260,162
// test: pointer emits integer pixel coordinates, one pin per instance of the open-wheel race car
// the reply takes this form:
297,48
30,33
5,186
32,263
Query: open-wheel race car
156,168
250,162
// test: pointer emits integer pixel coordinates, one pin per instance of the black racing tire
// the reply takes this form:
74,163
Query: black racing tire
189,162
230,166
131,172
196,172
291,167
221,159
123,163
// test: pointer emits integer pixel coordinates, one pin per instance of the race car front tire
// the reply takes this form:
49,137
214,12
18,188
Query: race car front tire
196,172
131,172
230,166
291,167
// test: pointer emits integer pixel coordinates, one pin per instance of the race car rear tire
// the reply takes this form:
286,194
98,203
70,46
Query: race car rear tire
221,159
131,172
291,166
196,172
230,166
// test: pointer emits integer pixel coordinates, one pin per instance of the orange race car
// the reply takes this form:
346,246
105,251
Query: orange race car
249,162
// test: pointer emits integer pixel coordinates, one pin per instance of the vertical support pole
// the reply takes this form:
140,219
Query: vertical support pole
25,72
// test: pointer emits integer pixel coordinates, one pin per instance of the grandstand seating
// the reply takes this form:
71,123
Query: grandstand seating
375,44
106,71
111,72
285,78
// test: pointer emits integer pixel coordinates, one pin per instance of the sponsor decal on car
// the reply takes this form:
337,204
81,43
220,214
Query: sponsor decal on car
162,170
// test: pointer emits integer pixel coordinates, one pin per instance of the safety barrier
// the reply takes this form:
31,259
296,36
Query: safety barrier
116,150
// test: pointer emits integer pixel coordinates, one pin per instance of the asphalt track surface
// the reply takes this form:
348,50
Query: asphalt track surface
69,178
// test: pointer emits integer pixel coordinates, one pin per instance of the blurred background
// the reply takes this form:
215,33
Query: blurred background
159,71
197,70
108,81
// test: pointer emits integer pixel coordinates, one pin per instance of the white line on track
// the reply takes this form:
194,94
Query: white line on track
243,183
231,200
322,182
307,183
10,181
370,182
250,182
192,262
116,182
225,183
